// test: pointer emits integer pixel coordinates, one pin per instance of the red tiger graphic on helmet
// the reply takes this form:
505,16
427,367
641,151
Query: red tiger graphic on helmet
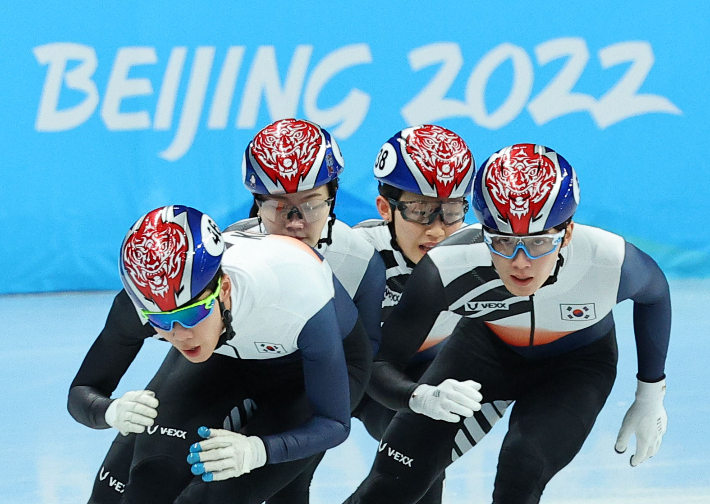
519,182
154,256
441,156
286,151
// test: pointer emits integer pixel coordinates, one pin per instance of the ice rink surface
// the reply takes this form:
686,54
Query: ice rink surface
48,458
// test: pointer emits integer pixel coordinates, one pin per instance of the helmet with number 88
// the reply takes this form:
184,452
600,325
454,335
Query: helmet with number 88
427,160
525,189
169,256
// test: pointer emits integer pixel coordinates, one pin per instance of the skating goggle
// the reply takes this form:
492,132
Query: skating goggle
187,316
534,246
310,211
426,212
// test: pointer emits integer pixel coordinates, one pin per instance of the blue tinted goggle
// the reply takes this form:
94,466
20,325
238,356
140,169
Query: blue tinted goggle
534,246
187,316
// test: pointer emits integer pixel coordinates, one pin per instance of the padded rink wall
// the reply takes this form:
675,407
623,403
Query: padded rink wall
110,110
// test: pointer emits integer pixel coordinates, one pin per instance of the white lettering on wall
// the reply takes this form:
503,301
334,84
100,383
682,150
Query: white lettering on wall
169,90
194,102
555,100
71,68
49,117
121,87
431,104
621,101
347,116
263,79
519,91
226,83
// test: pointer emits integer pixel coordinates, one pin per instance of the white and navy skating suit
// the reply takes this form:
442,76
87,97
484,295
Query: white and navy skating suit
398,268
355,264
554,353
297,344
374,415
597,270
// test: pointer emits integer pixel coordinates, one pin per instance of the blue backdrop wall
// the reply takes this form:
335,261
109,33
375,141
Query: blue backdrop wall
112,109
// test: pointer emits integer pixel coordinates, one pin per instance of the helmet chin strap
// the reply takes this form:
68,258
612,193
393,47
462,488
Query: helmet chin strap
329,237
393,233
560,263
395,245
228,329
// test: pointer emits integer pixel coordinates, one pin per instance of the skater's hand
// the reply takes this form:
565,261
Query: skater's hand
448,401
647,419
132,412
225,454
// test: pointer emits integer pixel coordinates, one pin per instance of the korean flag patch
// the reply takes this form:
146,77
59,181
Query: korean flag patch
270,348
578,312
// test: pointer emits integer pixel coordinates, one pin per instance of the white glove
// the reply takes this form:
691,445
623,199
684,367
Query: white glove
225,454
647,419
449,401
132,412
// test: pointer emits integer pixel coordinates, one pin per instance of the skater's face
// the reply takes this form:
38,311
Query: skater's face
523,276
198,343
416,239
300,215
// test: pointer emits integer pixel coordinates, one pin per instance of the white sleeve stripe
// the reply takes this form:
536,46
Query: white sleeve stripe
462,442
474,429
490,413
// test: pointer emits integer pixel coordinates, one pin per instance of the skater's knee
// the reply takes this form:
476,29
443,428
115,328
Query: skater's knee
386,488
157,480
520,477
